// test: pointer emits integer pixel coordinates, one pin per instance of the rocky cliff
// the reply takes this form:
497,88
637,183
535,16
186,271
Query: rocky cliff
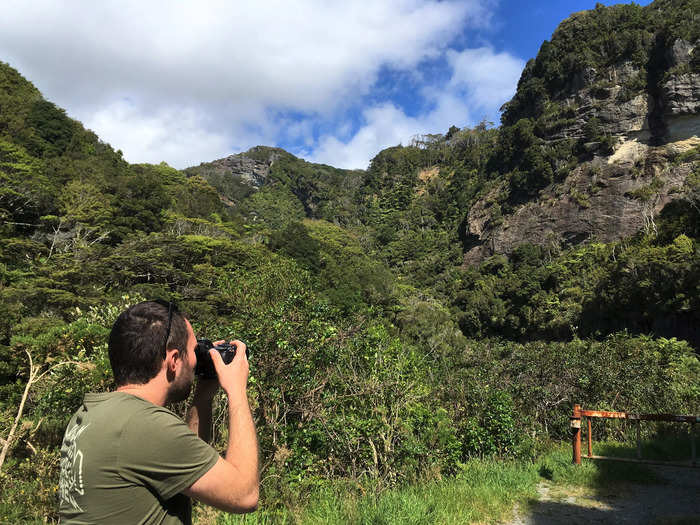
237,176
634,117
276,175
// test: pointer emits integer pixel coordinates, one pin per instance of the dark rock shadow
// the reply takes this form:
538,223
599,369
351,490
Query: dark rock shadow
551,513
660,495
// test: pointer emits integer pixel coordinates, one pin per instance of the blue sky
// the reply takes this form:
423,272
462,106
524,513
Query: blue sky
330,81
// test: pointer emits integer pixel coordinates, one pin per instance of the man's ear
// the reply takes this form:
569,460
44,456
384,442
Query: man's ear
172,359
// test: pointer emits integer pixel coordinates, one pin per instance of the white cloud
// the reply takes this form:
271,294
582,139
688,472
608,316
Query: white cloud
384,126
481,81
189,81
489,79
172,135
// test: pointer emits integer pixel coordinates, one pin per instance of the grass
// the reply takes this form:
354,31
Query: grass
556,467
484,491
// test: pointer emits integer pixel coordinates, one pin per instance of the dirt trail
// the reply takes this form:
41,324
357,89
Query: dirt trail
675,500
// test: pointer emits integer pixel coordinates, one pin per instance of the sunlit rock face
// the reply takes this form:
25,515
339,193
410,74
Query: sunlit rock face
613,194
251,168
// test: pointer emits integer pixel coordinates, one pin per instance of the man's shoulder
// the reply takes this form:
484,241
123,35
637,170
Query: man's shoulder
148,416
123,402
124,414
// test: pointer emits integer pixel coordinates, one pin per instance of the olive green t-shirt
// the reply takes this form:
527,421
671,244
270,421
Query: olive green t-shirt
125,460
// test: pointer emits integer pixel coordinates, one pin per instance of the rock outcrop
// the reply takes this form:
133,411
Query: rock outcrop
251,167
615,193
599,201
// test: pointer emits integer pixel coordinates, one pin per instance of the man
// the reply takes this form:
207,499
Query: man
127,459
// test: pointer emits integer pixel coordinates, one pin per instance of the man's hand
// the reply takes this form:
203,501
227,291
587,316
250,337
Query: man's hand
233,377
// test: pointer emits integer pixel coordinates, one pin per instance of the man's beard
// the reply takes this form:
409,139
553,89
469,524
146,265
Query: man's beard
181,387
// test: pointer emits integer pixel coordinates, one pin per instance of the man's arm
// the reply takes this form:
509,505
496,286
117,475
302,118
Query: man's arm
199,414
232,483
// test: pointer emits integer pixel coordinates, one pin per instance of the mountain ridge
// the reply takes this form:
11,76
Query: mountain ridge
597,121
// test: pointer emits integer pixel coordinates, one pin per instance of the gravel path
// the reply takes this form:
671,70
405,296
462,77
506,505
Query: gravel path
676,500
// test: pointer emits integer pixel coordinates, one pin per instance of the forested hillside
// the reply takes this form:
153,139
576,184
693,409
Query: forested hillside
450,302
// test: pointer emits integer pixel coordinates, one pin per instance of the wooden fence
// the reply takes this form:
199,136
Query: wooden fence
637,418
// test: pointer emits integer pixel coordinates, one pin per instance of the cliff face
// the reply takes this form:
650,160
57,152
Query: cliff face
609,96
253,171
236,176
603,200
635,121
274,175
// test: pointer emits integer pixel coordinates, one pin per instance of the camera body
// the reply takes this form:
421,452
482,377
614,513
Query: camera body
205,366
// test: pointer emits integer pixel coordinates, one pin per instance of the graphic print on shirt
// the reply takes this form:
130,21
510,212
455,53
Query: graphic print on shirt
71,480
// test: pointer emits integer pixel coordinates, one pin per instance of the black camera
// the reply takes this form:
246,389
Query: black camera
205,366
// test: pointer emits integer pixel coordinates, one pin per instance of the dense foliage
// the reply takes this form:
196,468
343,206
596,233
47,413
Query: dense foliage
375,353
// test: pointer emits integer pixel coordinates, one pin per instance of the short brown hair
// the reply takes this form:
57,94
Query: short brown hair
137,343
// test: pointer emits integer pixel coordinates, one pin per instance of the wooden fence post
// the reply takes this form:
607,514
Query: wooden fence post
576,434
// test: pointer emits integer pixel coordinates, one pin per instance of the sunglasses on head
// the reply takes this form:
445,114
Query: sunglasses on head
172,309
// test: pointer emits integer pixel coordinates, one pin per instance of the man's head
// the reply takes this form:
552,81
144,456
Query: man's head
138,347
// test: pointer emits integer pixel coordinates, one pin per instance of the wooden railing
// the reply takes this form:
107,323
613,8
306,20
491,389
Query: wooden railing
637,418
